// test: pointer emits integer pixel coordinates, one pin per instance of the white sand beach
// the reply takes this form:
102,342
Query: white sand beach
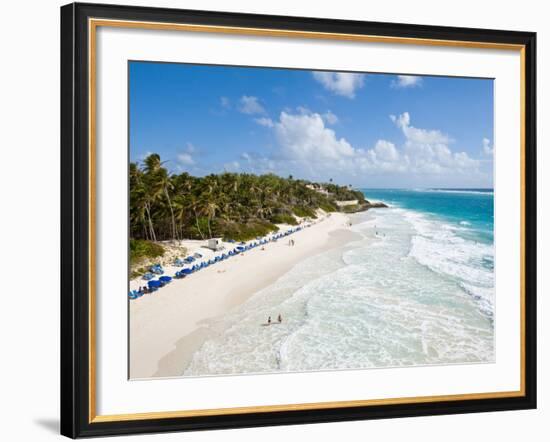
165,326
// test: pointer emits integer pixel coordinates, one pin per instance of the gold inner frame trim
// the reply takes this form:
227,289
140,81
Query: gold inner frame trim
93,24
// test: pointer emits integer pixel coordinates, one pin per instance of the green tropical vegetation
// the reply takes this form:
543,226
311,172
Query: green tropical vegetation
140,248
239,206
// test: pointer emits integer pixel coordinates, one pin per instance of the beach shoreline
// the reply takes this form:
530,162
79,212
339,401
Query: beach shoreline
167,327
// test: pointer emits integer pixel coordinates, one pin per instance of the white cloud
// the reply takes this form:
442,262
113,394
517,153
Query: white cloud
251,105
340,83
185,159
264,121
306,145
190,148
428,150
305,137
413,134
225,102
386,151
144,155
487,148
404,81
232,166
256,163
330,118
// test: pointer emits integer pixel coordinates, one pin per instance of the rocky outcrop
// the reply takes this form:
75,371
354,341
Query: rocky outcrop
362,207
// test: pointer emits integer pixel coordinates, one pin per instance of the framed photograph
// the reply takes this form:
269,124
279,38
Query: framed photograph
274,220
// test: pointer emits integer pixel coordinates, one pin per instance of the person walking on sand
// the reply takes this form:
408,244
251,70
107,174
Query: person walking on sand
280,318
269,321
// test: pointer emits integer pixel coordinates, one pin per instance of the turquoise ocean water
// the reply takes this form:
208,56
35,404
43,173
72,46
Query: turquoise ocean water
415,289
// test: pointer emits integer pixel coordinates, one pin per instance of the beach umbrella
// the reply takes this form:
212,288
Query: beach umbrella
165,278
154,284
157,269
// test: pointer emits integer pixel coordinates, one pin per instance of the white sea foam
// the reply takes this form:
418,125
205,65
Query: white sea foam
442,250
466,191
412,292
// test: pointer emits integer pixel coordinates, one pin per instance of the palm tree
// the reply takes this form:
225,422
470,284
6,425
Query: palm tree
141,197
160,183
168,206
210,211
194,204
166,183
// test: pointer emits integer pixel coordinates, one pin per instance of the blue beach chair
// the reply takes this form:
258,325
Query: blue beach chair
154,285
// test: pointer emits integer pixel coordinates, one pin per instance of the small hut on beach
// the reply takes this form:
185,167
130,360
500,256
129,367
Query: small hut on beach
215,244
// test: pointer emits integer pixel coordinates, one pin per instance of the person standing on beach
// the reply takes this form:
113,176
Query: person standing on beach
280,318
269,320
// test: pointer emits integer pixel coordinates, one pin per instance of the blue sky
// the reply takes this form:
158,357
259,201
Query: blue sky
368,130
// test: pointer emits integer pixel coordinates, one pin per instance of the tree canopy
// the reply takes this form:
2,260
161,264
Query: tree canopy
238,206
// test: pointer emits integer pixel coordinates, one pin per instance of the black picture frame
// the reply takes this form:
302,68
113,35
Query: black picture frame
75,221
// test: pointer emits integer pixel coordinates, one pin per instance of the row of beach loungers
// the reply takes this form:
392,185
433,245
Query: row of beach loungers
155,270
